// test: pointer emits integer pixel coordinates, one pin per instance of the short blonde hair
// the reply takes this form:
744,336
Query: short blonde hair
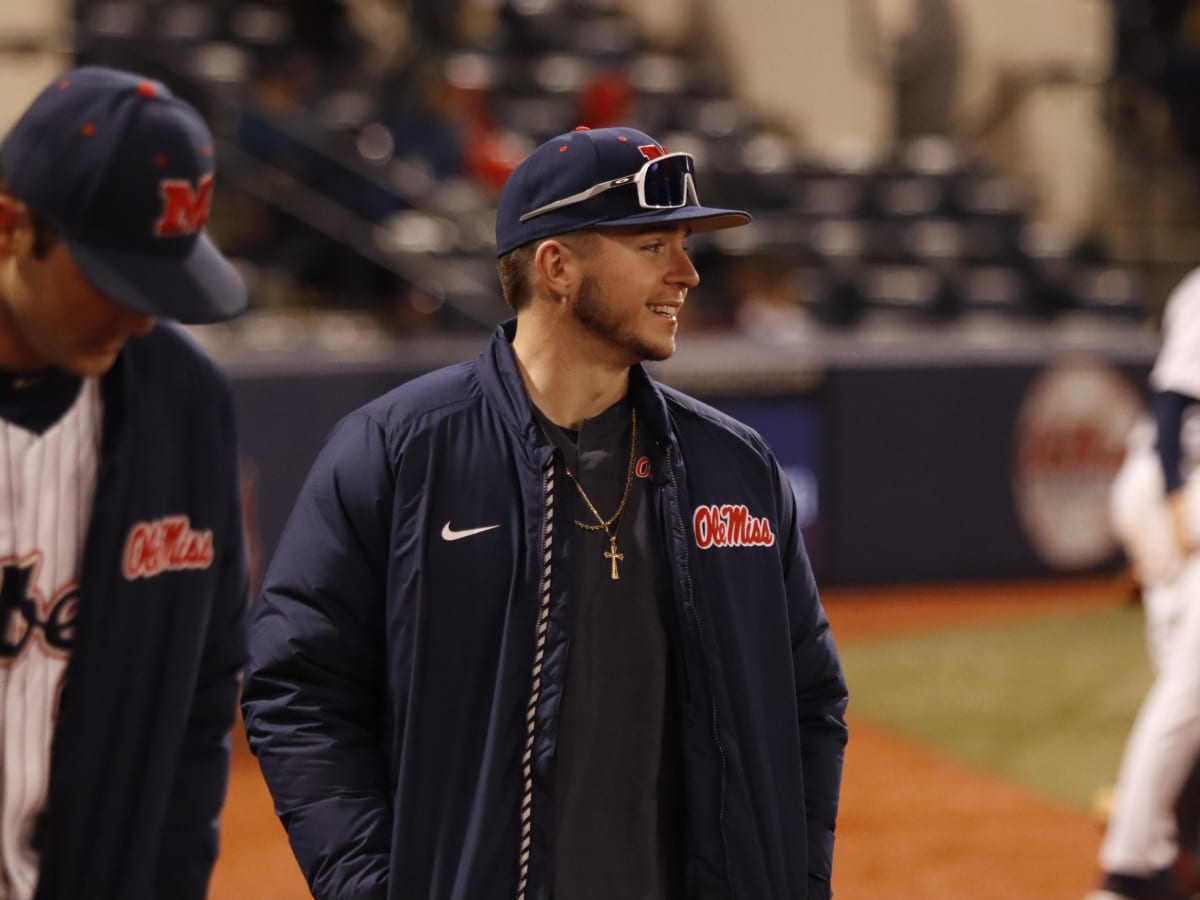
513,271
513,267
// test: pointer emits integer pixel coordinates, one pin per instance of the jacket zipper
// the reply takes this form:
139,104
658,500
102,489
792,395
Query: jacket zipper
535,691
685,574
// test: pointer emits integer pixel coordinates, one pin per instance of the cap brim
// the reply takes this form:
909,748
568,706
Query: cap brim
701,218
199,288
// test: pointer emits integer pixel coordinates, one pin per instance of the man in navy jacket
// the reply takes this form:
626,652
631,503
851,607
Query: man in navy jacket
122,568
539,626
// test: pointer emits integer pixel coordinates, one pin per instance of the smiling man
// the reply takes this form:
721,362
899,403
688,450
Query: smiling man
122,573
540,627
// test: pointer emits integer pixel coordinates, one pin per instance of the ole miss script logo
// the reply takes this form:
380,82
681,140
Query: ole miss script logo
730,525
168,544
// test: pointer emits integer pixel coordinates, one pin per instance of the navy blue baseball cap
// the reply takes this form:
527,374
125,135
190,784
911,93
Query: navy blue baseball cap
601,178
123,170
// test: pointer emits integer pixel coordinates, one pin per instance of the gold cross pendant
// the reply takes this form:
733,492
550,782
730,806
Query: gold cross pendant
612,554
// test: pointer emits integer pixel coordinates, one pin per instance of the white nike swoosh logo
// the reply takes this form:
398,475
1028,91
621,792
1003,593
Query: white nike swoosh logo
449,534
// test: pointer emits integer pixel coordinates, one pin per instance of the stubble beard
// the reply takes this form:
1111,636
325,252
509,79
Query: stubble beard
601,320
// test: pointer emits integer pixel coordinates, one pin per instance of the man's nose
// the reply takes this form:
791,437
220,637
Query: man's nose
684,271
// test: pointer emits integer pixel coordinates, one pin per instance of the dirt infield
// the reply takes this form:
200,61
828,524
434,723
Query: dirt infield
255,862
914,825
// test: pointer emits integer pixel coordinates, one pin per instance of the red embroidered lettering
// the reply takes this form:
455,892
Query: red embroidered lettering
165,545
702,526
651,151
643,467
737,516
185,210
730,525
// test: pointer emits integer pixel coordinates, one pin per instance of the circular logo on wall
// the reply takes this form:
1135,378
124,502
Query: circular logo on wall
1069,443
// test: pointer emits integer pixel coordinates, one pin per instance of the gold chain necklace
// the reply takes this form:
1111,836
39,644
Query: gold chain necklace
613,523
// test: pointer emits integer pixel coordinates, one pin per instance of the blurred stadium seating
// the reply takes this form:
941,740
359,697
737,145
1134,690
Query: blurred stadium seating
352,184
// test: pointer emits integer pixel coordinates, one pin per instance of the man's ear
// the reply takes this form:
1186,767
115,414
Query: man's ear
556,266
16,225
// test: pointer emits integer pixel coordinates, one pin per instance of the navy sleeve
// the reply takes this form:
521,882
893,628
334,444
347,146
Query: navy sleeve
1169,407
190,836
315,680
821,697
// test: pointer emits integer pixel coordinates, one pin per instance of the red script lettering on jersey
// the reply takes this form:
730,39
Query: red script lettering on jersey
165,545
730,526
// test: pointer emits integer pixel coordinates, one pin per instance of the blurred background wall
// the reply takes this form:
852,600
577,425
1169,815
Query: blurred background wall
34,45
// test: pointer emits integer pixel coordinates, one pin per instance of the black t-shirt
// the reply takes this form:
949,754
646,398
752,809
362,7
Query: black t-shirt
35,401
619,829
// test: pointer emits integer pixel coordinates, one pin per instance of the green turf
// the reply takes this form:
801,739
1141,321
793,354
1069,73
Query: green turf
1047,702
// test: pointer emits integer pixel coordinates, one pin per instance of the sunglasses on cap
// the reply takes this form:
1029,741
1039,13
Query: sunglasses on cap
663,183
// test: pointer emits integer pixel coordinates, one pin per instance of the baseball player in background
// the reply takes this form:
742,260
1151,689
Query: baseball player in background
122,571
1156,514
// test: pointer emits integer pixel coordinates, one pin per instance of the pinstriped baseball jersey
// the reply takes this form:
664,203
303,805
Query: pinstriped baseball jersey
47,484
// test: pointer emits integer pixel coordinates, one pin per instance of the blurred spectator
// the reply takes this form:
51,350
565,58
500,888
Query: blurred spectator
423,115
436,23
606,99
386,31
276,124
1145,33
322,28
921,61
290,233
275,127
448,128
1158,49
769,299
440,114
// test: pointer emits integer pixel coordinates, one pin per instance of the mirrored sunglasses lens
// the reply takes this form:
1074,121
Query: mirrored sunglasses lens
666,184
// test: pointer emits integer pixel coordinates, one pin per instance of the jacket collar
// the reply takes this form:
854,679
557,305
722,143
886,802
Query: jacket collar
502,382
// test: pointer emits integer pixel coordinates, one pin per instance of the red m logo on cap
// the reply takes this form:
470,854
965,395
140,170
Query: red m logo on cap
185,209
